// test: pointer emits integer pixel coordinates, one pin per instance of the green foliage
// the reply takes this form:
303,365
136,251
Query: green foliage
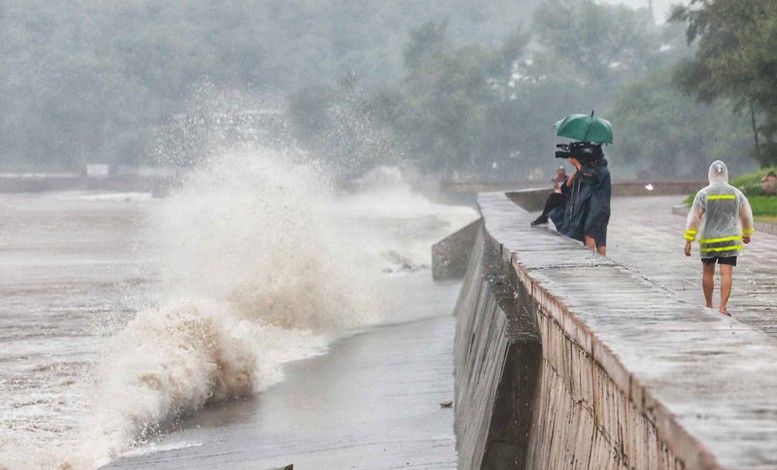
601,45
763,205
489,112
447,96
663,132
95,81
750,183
736,58
467,89
753,177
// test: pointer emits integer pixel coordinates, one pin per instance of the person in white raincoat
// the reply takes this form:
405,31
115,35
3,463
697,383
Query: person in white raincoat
722,218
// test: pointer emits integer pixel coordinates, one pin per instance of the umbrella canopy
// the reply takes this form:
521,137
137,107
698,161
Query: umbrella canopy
585,128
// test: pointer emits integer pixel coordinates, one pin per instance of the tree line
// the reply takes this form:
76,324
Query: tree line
474,112
94,81
463,89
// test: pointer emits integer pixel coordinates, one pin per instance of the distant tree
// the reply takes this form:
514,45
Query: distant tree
600,46
345,127
447,93
736,59
665,133
95,81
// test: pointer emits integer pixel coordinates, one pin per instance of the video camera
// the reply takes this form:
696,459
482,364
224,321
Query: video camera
584,152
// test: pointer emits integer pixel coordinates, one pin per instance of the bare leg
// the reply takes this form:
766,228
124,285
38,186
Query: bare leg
590,242
725,286
602,250
708,282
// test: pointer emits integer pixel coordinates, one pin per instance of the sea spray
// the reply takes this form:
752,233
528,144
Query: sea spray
173,361
262,264
256,273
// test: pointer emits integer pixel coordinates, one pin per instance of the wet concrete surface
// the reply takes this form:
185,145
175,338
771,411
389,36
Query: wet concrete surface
705,380
645,236
372,402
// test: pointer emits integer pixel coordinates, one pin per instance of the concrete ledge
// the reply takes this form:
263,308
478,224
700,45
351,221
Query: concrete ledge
30,183
450,256
631,376
530,199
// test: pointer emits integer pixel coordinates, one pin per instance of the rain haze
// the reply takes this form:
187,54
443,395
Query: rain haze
217,218
661,8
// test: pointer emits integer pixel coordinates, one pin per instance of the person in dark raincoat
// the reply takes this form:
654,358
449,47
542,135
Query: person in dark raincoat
588,210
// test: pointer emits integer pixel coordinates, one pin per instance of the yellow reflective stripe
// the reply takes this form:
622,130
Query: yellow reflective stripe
690,235
722,196
718,240
749,231
691,232
690,238
725,248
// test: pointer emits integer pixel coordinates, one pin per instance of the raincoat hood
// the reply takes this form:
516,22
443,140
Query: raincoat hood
718,172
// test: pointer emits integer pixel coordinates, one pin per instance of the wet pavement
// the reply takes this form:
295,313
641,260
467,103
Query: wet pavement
645,236
705,380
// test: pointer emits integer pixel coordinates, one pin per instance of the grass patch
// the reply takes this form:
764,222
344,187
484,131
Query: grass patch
764,205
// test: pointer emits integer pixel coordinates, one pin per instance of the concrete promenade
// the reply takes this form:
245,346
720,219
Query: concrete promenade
635,372
645,236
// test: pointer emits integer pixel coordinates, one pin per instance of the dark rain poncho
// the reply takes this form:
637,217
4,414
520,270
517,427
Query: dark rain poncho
588,209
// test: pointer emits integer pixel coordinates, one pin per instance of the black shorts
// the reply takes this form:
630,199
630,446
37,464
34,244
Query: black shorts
730,260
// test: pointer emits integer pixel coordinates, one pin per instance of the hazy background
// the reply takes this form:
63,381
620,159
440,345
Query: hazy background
458,90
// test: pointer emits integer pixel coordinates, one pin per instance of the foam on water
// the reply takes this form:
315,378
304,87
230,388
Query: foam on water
261,264
256,274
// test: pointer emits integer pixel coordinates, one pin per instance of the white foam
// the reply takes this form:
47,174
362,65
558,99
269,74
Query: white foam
262,264
257,274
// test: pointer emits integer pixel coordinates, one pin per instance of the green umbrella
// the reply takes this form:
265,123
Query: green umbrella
585,128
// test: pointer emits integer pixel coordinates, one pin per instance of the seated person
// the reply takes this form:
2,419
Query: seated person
554,205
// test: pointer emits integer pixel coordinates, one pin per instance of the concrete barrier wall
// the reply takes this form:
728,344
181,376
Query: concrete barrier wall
497,357
10,183
630,377
450,256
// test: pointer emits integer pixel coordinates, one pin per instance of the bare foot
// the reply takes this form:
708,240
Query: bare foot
725,312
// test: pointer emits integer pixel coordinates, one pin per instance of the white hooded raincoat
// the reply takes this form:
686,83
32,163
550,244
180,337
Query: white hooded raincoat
720,216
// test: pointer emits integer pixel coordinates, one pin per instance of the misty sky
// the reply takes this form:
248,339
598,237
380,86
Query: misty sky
660,7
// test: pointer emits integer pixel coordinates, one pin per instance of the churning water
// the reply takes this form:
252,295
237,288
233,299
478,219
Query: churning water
120,314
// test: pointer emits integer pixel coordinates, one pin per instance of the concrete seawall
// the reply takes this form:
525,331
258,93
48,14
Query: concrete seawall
32,183
565,359
499,348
